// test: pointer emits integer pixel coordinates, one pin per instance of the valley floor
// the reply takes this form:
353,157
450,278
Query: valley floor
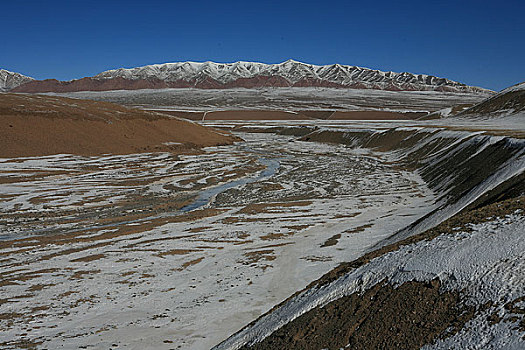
162,251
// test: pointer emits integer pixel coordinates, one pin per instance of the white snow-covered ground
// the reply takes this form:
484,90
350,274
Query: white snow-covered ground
512,123
485,265
281,99
103,263
89,275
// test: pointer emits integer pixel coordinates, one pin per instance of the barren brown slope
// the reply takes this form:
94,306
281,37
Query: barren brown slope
508,101
33,125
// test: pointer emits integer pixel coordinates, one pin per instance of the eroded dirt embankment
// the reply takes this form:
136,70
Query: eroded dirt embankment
464,168
409,315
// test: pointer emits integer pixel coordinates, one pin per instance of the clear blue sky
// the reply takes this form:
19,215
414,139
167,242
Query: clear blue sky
475,42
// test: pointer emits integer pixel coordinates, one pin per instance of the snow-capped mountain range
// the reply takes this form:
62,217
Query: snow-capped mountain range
211,75
289,73
10,80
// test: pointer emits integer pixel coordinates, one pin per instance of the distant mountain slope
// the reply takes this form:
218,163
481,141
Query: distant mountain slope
210,75
508,103
10,80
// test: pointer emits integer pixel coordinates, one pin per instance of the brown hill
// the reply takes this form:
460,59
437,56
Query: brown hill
510,101
33,125
90,84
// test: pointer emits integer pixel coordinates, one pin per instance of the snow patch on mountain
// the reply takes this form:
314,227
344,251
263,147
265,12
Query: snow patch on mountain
10,80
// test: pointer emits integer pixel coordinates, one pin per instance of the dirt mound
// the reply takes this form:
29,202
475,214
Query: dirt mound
34,125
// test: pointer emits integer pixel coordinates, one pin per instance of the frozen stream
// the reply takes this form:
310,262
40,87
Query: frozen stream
153,251
207,195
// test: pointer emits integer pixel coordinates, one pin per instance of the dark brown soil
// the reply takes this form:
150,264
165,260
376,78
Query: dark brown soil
384,317
317,114
331,241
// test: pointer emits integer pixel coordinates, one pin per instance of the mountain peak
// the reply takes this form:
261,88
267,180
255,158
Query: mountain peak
10,80
292,61
289,73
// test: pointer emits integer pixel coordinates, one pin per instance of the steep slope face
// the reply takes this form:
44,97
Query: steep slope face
10,80
401,297
509,102
44,125
462,167
210,75
459,286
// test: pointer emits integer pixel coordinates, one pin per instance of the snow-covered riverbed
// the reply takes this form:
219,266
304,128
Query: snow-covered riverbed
109,257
